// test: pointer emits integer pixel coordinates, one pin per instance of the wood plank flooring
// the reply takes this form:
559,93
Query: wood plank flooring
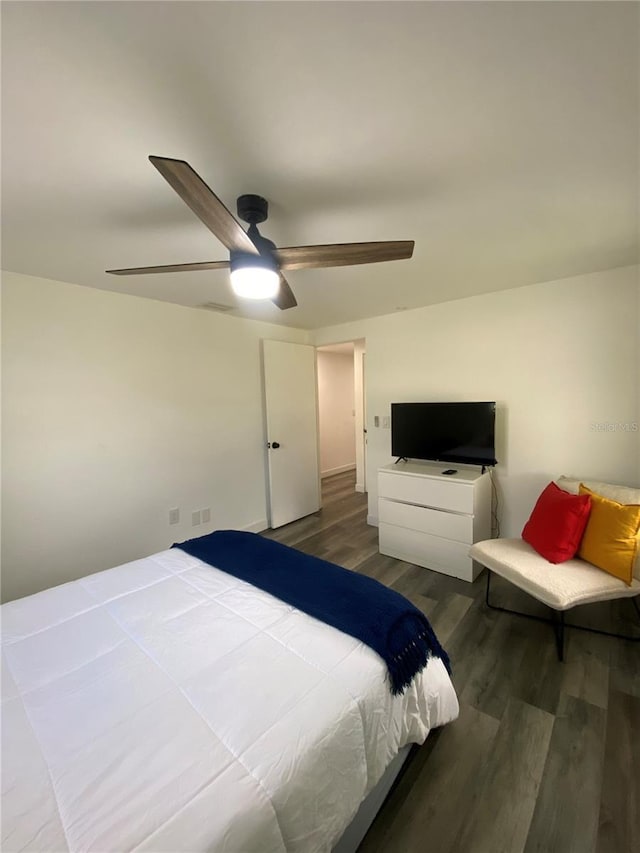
545,757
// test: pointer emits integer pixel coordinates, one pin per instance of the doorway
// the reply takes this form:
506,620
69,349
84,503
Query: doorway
341,410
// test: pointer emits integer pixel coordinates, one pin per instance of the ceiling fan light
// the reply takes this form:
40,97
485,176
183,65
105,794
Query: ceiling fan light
255,282
254,276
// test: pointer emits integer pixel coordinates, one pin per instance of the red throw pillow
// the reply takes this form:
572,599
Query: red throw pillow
557,523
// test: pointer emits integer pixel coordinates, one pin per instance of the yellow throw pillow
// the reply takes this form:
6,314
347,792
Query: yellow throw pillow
610,539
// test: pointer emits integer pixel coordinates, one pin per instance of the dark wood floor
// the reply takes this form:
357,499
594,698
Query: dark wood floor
545,755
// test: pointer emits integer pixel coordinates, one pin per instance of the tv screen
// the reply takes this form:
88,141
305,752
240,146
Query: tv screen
444,432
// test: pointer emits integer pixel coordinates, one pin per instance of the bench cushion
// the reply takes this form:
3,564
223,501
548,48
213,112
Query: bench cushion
559,586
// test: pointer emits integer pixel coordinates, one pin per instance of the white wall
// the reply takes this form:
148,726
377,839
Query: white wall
116,409
359,353
336,412
557,357
638,376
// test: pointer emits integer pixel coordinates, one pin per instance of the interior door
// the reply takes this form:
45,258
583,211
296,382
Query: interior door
290,392
365,438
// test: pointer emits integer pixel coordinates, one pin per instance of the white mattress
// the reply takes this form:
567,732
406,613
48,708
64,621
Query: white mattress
165,705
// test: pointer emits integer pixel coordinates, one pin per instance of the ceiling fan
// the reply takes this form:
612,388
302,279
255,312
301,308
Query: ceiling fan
255,262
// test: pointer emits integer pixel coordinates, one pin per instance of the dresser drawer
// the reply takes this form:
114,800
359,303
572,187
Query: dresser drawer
431,552
426,491
447,525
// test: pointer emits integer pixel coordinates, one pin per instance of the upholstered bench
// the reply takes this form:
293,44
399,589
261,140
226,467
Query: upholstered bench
564,585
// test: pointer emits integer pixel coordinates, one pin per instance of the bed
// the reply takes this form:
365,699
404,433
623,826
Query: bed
165,705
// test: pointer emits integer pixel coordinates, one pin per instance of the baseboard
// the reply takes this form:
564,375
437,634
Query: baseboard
256,526
339,470
372,520
360,488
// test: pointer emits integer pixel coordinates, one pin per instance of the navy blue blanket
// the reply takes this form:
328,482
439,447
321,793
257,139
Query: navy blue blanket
355,604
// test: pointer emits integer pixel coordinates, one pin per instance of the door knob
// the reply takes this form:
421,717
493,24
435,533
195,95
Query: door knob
273,444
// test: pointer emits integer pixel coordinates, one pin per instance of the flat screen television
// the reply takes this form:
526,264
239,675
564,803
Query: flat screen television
444,432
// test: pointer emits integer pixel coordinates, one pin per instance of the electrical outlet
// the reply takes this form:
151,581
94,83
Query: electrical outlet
174,515
206,515
195,518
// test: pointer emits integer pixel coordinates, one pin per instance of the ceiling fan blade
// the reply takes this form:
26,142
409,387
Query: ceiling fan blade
343,254
203,265
204,203
284,298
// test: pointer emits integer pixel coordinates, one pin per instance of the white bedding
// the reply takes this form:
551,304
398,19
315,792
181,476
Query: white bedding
167,706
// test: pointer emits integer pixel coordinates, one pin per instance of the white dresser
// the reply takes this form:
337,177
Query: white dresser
432,519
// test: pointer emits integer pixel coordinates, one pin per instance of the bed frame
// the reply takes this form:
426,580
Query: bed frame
373,802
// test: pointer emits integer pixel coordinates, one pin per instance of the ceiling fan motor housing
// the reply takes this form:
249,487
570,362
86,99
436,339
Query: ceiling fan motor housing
252,208
244,260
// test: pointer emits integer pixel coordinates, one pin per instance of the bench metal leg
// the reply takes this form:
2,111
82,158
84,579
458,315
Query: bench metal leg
558,621
558,626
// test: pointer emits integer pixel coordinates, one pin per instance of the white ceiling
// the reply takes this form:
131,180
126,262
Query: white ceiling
501,137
